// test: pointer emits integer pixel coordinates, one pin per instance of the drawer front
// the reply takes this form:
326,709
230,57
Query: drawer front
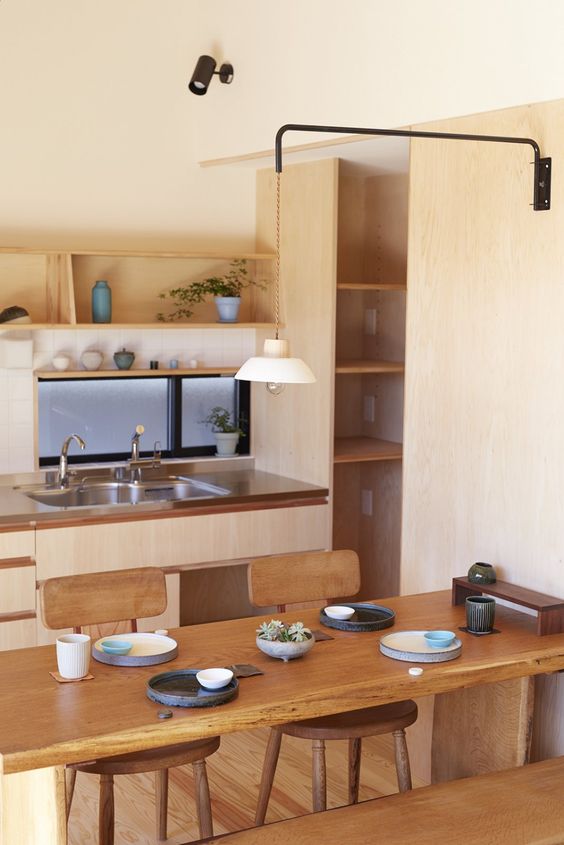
17,544
186,542
17,588
17,634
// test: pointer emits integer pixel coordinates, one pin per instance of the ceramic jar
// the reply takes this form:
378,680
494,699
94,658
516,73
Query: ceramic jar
101,302
124,359
91,359
482,573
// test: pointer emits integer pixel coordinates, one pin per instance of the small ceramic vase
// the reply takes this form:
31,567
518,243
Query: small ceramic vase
101,303
91,359
61,362
285,651
482,573
124,359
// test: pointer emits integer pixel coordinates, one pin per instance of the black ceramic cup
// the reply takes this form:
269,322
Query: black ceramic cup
480,614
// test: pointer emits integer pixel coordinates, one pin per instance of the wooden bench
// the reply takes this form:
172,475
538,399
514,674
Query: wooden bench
523,806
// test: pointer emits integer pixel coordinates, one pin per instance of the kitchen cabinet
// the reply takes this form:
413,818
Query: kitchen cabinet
17,589
55,286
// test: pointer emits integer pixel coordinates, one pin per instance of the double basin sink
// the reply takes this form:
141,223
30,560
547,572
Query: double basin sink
99,493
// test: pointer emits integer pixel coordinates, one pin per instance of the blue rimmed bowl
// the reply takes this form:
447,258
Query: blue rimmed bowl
439,639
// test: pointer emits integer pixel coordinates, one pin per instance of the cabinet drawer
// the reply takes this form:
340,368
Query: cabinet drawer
17,588
17,634
17,544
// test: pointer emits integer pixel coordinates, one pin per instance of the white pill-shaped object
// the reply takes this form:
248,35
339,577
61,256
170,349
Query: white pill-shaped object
415,670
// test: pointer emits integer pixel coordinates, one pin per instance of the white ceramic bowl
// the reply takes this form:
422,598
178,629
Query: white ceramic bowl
214,678
91,359
338,611
61,362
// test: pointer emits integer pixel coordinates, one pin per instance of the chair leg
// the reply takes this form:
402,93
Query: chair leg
319,776
203,803
106,810
70,780
355,751
267,777
161,799
402,761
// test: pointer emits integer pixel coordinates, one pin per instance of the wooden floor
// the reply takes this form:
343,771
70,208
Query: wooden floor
234,773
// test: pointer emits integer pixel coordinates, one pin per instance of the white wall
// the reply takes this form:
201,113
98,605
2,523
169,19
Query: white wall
101,137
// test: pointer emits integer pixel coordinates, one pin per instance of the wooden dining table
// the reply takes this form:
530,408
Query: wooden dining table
45,724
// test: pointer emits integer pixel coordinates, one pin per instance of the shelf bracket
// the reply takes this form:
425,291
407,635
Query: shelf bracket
543,166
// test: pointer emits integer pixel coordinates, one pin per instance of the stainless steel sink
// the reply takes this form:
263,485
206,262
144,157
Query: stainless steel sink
90,494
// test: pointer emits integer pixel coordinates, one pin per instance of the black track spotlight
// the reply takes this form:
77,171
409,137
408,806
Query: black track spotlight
203,72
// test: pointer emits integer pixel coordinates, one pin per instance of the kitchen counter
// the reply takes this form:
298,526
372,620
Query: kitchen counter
248,489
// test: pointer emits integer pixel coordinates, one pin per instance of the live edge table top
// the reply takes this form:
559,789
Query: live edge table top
43,723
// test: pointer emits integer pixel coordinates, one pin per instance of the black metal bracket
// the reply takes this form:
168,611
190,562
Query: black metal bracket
543,166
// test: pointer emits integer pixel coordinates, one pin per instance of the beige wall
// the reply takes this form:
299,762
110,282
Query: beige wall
484,402
100,136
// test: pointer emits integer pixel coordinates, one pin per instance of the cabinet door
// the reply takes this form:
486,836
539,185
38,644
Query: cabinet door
17,589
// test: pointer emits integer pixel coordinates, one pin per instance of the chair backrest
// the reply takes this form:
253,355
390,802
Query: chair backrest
307,576
75,601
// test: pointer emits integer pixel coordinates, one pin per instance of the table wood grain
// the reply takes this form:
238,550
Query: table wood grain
43,723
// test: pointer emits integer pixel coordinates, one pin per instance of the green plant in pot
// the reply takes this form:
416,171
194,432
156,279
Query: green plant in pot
226,429
225,289
284,641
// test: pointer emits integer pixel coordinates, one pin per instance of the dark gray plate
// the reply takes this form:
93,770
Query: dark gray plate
179,688
367,617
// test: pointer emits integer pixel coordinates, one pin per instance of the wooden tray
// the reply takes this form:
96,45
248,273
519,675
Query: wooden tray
180,688
367,617
148,650
411,646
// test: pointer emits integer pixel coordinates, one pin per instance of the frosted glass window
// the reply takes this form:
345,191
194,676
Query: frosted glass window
199,396
104,413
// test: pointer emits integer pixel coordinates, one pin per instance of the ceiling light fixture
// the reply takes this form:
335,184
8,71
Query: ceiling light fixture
203,72
275,367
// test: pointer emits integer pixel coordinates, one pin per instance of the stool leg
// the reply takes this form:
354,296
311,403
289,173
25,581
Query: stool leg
203,803
70,780
355,750
161,799
319,776
267,777
106,810
402,761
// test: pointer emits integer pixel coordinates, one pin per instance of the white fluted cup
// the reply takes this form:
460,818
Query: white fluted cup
73,655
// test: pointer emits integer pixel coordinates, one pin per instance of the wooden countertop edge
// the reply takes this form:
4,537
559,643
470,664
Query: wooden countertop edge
237,506
358,697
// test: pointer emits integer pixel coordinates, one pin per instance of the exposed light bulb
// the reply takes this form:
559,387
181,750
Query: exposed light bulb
275,387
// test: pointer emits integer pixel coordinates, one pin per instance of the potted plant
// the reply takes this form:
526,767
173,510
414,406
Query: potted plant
286,642
225,429
226,291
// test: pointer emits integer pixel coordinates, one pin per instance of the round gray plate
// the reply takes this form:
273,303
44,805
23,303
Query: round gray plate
180,688
390,645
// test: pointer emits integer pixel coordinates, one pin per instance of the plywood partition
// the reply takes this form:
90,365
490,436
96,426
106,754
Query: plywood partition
293,432
483,445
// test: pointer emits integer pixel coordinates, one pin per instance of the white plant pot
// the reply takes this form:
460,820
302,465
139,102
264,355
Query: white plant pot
227,308
226,444
285,651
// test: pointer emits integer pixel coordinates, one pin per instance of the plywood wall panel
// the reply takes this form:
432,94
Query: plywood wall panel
483,444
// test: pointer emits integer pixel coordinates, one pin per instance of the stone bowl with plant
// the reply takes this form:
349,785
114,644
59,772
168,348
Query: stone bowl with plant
278,639
225,289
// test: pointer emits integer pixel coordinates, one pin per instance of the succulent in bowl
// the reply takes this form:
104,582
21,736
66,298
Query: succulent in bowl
286,642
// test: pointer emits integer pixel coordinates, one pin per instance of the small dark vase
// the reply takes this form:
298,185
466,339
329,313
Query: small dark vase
481,573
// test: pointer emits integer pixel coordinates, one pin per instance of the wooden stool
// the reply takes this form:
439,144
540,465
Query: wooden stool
98,598
312,576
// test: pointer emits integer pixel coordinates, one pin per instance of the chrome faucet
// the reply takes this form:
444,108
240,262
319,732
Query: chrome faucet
136,463
63,474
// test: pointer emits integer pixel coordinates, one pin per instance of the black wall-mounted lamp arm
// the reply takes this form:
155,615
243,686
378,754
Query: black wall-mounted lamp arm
543,166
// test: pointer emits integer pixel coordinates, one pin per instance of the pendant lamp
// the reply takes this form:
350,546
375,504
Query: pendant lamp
275,367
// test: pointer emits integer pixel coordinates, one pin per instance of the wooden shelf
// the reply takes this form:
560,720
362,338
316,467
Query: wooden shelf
164,372
372,286
104,326
356,449
126,253
359,366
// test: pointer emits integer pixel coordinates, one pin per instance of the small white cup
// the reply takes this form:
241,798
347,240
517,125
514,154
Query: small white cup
73,655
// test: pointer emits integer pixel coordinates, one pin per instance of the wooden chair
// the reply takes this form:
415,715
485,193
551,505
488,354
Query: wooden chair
77,601
315,576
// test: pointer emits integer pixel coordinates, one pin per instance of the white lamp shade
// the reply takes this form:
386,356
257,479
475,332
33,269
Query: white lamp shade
275,366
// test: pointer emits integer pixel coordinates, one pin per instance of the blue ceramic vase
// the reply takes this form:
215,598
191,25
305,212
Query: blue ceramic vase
101,303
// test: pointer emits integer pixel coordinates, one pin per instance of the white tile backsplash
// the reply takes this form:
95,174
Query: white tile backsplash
18,359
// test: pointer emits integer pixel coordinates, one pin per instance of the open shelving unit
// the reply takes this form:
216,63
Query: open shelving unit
161,372
55,287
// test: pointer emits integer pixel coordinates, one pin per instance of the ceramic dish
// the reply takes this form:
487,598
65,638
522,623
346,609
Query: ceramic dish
116,646
439,639
180,688
146,650
366,617
339,611
214,678
413,647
